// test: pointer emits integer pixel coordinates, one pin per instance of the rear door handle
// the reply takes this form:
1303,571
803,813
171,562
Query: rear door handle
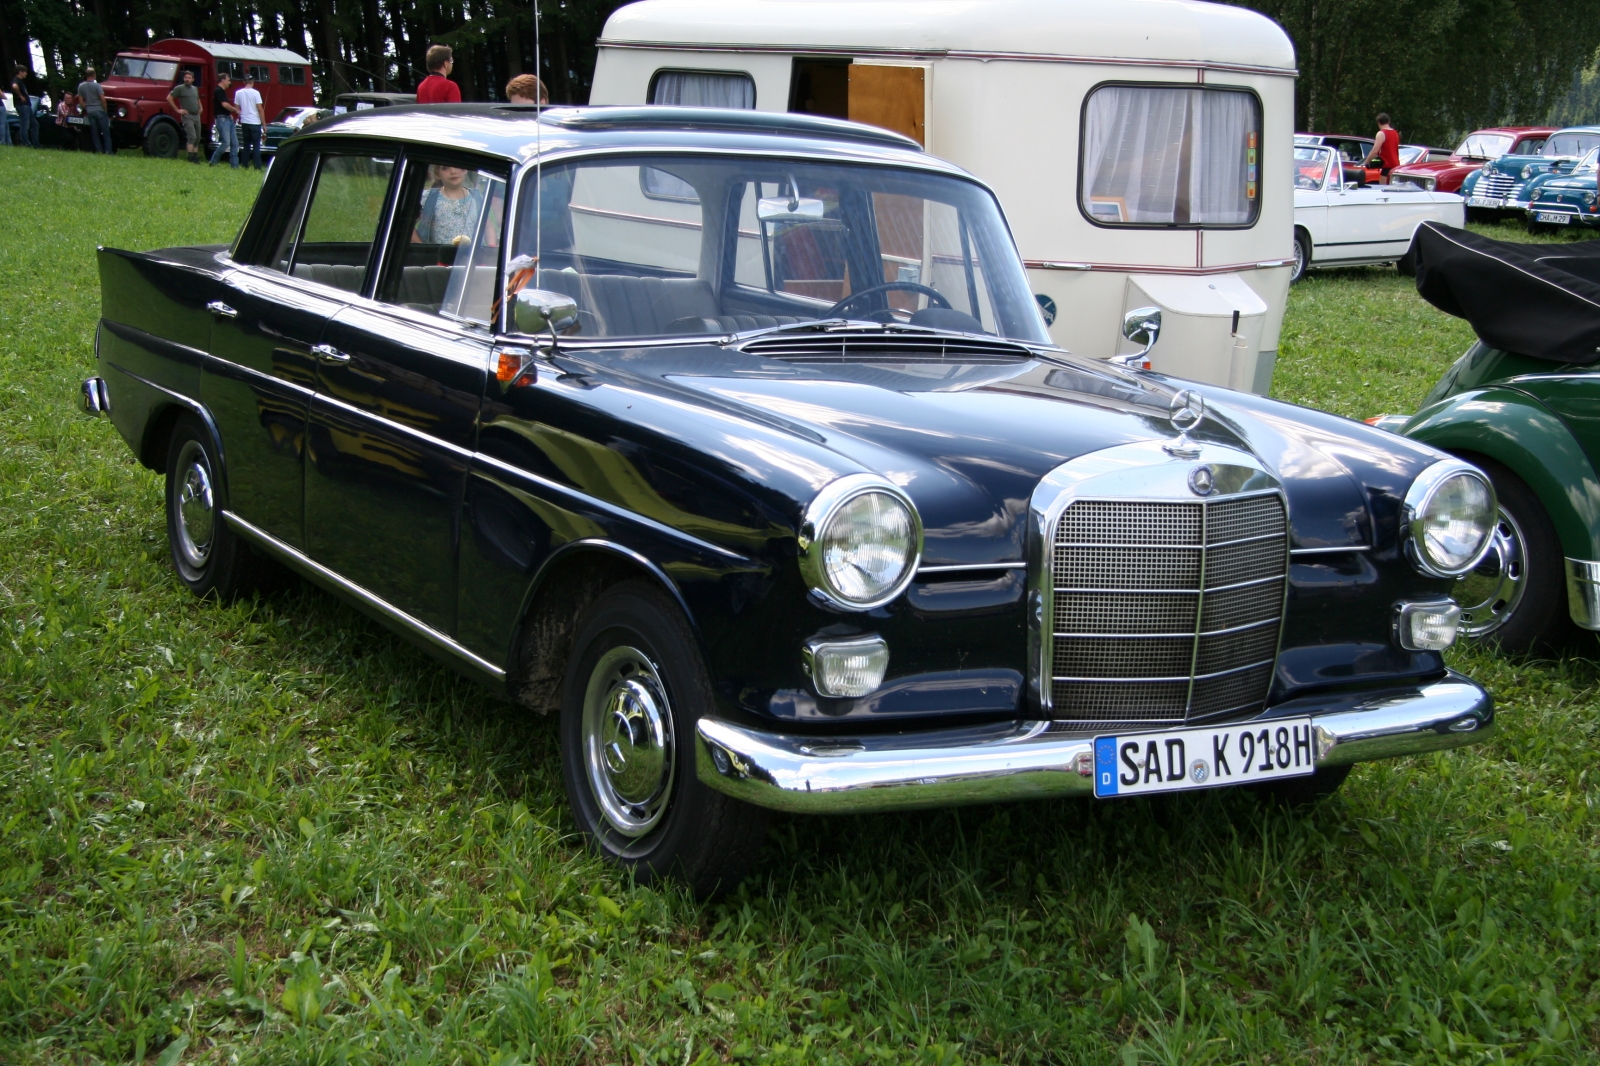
222,310
327,353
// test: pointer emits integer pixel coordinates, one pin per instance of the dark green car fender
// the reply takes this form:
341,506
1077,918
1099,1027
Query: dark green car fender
1517,430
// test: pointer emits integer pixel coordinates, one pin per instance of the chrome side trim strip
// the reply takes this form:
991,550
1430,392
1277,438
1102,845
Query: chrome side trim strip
1583,592
1021,760
970,567
314,570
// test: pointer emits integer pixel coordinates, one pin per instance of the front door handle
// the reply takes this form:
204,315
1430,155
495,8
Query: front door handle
221,310
328,354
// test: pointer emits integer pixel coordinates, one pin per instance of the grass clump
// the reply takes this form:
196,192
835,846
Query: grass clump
269,832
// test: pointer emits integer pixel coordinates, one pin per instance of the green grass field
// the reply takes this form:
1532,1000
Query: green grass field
271,832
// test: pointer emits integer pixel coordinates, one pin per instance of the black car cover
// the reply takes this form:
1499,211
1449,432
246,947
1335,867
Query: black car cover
1541,300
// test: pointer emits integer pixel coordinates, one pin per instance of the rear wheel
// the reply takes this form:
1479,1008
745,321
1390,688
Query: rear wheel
208,555
633,692
161,140
1302,255
1516,597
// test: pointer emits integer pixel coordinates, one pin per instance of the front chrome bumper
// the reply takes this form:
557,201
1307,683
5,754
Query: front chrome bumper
1583,592
1022,760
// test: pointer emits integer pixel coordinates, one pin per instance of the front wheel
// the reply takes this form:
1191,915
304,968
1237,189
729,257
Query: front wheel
633,692
1302,255
162,141
1516,597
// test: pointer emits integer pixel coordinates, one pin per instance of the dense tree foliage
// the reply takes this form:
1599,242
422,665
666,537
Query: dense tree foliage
1440,67
352,44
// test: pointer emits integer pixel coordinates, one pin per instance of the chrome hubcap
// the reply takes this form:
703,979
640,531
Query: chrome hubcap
628,741
197,515
1489,594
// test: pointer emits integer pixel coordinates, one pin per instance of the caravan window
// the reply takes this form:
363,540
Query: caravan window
703,88
1160,155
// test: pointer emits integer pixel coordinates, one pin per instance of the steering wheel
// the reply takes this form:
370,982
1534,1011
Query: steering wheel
935,297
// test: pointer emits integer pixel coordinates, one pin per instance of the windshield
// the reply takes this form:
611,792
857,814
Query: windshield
657,245
1485,146
1310,167
1570,143
152,69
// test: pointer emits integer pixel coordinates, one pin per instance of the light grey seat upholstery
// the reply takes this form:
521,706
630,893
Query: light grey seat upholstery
339,275
628,306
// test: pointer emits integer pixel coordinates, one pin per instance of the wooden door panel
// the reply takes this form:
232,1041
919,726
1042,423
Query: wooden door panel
890,97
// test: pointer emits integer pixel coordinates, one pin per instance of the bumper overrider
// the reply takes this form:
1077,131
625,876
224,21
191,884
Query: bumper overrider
1026,760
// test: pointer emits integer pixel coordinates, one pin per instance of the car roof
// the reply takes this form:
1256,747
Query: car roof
518,131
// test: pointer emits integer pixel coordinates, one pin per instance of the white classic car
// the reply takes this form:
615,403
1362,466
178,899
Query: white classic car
1340,224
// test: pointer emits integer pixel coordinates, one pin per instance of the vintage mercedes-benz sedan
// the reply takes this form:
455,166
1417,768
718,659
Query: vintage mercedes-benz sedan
738,440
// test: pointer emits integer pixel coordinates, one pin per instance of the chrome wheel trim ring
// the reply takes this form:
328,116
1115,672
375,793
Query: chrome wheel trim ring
1299,259
197,505
628,741
1489,593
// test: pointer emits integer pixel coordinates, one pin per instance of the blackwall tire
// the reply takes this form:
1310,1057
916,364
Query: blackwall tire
208,556
633,691
1517,596
162,141
1302,256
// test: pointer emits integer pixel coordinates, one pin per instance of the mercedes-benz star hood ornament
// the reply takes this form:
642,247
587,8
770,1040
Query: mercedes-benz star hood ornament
1188,410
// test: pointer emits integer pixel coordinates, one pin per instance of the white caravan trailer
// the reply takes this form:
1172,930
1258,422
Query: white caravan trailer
1142,148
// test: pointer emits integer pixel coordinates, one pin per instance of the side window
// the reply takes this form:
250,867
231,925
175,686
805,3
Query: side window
703,88
1170,156
291,75
333,241
444,250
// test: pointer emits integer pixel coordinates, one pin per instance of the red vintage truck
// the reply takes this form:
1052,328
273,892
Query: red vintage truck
140,79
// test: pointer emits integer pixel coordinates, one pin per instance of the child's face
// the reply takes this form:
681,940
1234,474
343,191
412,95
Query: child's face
452,177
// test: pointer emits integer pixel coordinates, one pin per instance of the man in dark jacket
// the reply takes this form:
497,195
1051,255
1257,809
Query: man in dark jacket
22,100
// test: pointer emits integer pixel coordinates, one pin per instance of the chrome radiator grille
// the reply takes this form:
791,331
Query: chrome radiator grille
1495,185
1166,611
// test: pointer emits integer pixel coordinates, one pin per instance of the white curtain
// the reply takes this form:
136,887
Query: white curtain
1158,155
692,88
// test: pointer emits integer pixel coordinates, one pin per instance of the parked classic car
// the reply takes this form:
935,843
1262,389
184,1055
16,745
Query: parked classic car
287,123
1501,185
1566,197
1340,224
1519,405
746,451
1478,148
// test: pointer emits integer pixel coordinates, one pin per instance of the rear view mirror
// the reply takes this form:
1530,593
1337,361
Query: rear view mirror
789,209
541,311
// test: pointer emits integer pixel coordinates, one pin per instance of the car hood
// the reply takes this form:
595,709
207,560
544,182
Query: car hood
1435,167
969,445
1513,165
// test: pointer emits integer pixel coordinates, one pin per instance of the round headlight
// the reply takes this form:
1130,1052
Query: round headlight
1527,170
860,542
1449,518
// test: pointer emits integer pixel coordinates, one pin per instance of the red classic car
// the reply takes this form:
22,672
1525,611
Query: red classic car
1478,148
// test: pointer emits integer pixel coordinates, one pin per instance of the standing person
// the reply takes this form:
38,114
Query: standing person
248,102
22,100
1385,149
66,133
437,88
93,99
5,122
526,89
185,99
224,121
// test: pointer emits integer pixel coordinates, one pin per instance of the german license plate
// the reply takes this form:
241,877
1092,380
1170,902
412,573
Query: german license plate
1176,760
1559,218
77,120
1482,201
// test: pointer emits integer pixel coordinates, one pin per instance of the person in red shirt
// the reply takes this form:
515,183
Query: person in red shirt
437,88
1385,149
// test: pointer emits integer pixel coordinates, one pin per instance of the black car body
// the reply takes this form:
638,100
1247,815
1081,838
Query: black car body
772,497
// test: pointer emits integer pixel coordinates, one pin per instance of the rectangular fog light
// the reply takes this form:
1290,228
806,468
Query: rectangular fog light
847,668
1427,626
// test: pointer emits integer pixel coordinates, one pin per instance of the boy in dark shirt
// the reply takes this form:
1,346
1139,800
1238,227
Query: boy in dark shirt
22,100
225,121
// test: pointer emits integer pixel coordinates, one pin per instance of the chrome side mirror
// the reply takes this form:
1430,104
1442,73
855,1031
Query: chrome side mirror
1142,325
539,311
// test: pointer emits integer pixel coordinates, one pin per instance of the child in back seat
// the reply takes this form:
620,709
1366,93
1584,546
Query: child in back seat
450,209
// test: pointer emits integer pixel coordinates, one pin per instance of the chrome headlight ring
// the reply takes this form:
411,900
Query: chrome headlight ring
1414,515
823,509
